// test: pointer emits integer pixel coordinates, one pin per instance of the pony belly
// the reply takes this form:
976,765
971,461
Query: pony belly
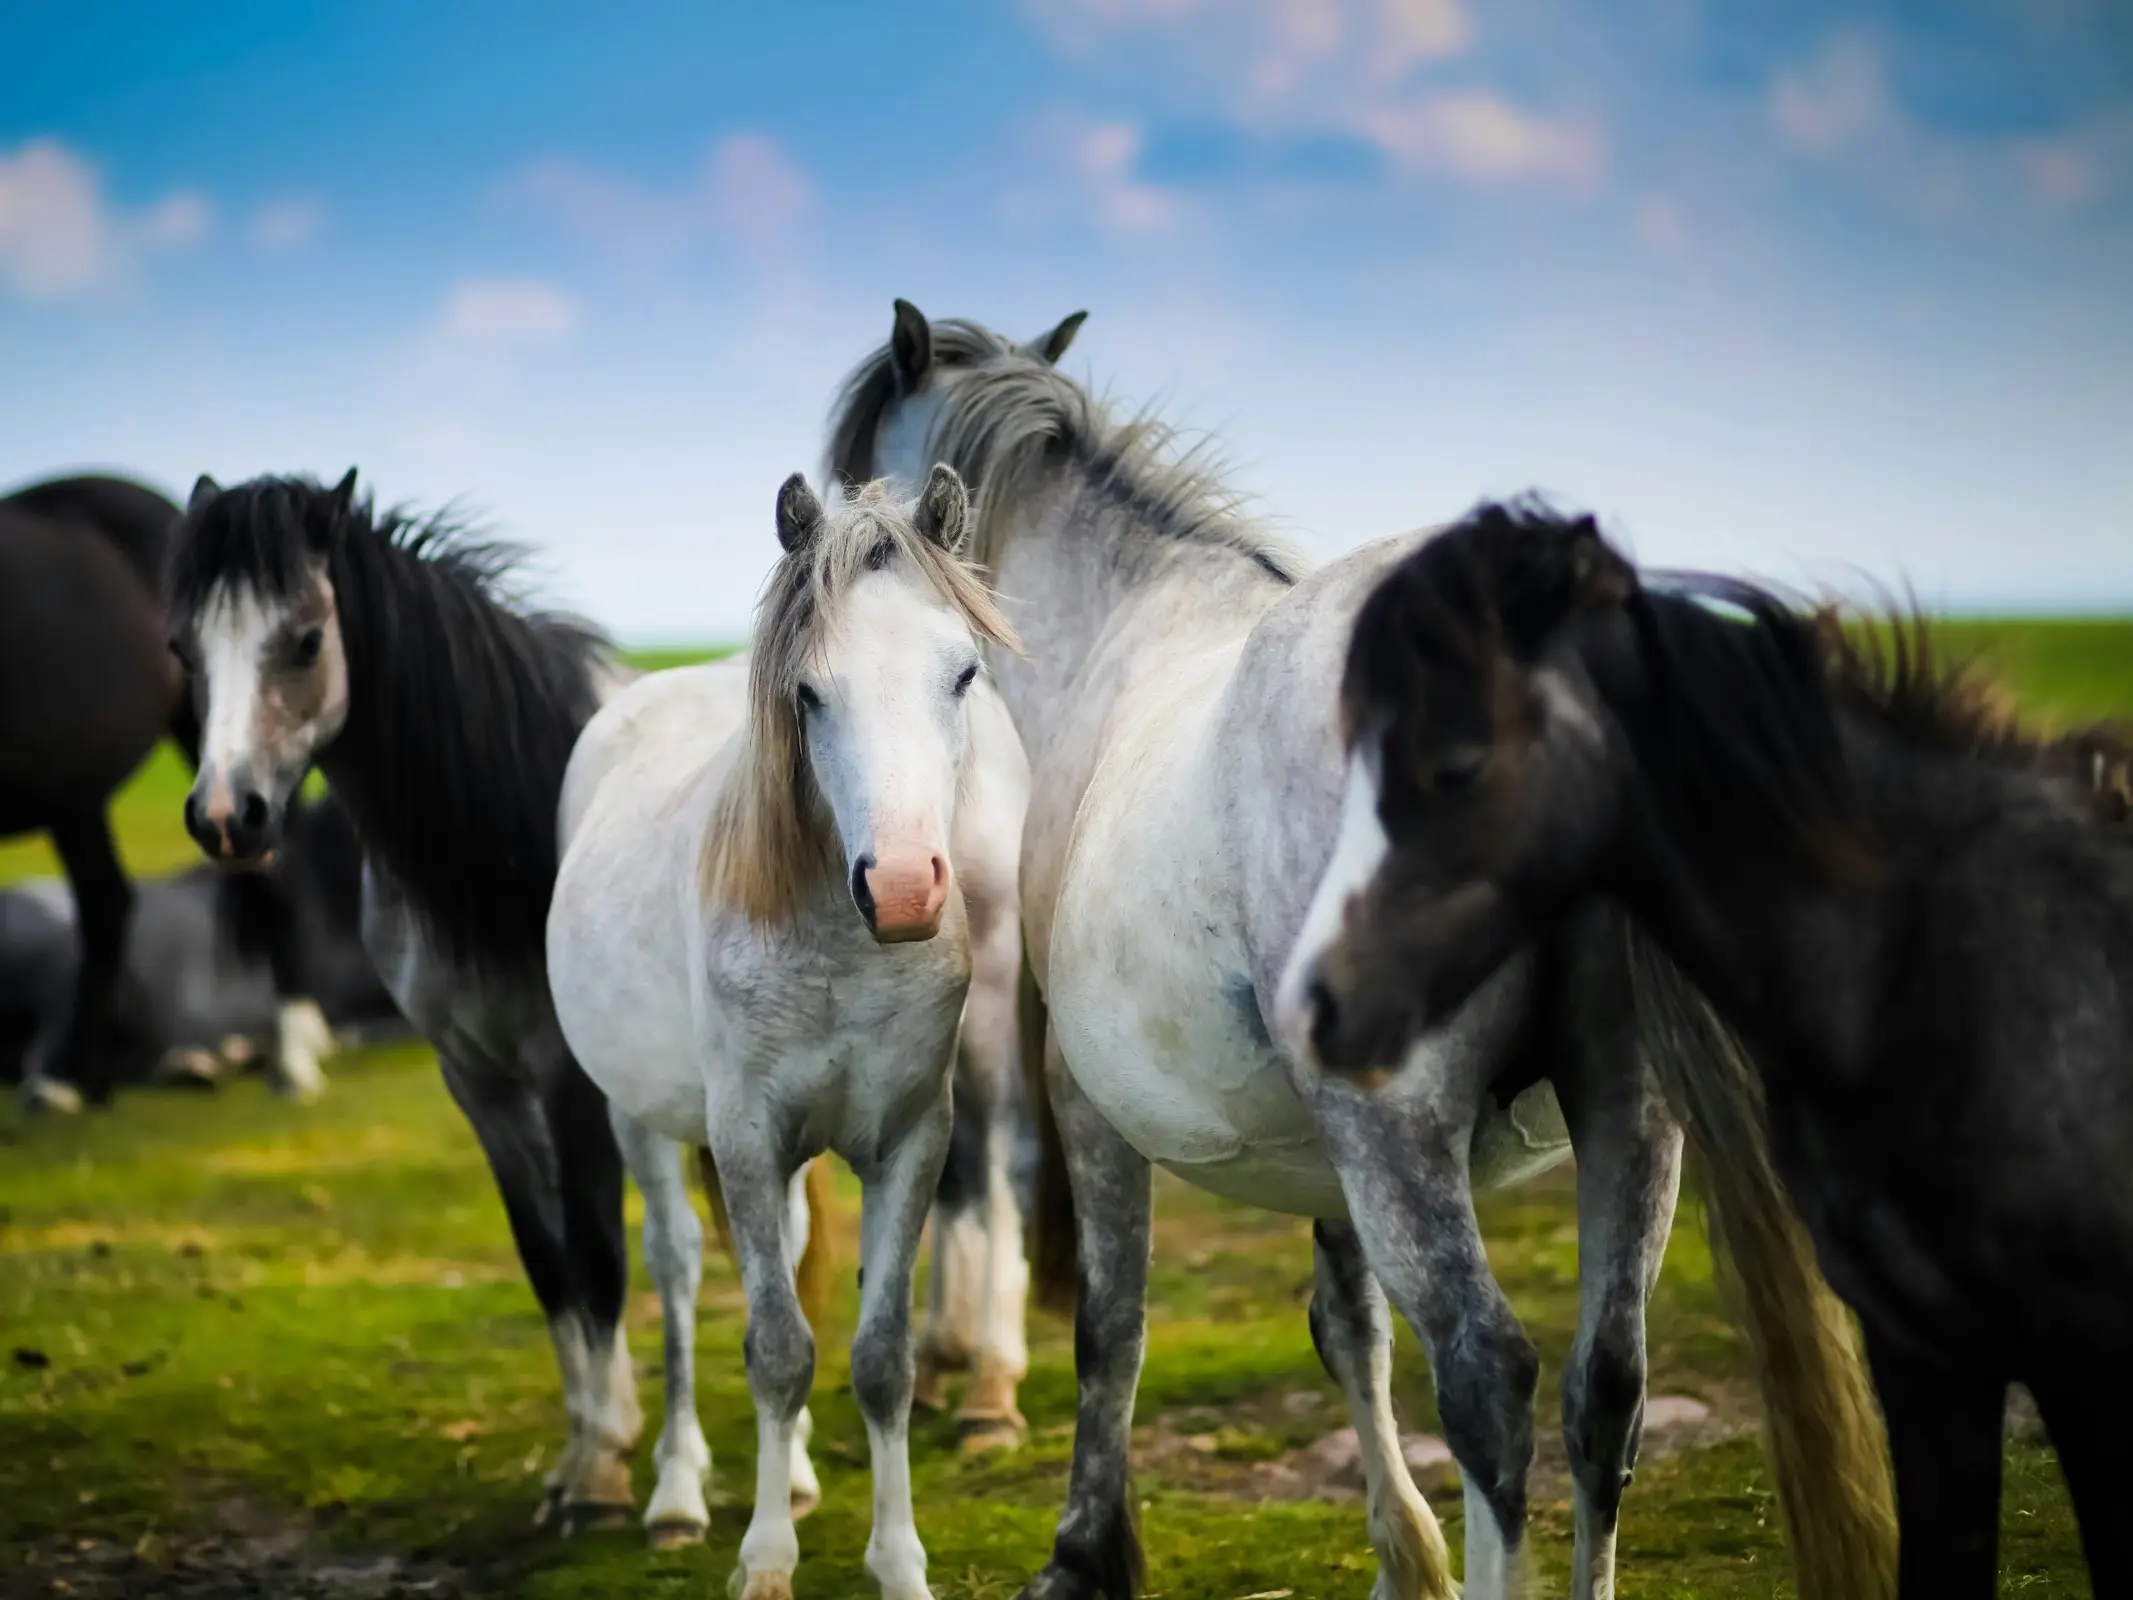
1190,1088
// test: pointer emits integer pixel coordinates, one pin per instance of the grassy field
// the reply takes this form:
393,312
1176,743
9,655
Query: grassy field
252,1348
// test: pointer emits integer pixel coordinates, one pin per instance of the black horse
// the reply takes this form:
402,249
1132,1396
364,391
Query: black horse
87,687
1916,918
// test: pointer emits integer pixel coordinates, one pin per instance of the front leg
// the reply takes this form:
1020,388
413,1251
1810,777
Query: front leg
1945,1440
1097,1551
1628,1173
898,1189
1353,1335
779,1346
1403,1169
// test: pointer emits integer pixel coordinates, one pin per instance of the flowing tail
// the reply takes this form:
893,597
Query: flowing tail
1054,1260
814,1279
1824,1430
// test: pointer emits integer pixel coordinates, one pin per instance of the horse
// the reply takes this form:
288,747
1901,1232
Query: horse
86,690
383,649
87,687
778,877
1915,918
1175,702
197,992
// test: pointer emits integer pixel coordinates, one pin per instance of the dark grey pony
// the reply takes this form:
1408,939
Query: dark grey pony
1177,703
199,974
384,651
1918,919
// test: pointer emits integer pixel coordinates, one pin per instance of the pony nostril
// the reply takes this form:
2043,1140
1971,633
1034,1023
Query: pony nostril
862,896
252,812
192,815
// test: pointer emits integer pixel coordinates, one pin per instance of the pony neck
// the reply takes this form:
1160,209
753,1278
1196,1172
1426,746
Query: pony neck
461,718
1102,598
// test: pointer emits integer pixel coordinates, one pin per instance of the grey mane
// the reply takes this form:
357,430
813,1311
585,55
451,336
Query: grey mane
1011,418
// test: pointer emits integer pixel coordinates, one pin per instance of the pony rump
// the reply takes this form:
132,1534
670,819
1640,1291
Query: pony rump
769,839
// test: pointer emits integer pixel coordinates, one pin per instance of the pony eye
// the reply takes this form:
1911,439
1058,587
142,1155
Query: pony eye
307,648
969,676
185,656
809,700
1458,771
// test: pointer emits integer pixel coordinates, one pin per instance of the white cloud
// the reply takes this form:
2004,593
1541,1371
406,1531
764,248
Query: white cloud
1345,67
746,190
505,313
1482,138
286,225
60,236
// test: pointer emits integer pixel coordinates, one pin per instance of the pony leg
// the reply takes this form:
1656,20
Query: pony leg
990,1417
1628,1175
897,1194
1945,1439
103,908
1097,1550
779,1347
1403,1169
303,1039
799,1229
508,1119
608,1420
991,1056
1353,1334
674,1252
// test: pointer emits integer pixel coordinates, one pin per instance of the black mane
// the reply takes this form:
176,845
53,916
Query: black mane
462,706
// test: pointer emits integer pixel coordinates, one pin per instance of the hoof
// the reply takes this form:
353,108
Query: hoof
594,1516
982,1435
51,1094
674,1533
763,1586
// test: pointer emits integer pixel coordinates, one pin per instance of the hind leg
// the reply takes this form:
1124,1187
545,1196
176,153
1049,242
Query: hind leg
674,1253
991,1055
1353,1333
103,902
1628,1173
1096,1551
1945,1441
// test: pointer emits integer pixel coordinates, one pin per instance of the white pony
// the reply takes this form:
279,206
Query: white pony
778,876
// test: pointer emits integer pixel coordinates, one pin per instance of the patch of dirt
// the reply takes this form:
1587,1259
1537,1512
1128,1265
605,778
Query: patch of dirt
252,1554
1231,1459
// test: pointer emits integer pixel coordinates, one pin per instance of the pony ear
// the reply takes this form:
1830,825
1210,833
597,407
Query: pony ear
205,489
944,509
1049,347
1599,576
910,347
799,513
325,525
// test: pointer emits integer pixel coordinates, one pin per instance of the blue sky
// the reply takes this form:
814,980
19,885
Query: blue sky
1818,292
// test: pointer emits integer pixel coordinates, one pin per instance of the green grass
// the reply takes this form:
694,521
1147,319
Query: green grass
308,1324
